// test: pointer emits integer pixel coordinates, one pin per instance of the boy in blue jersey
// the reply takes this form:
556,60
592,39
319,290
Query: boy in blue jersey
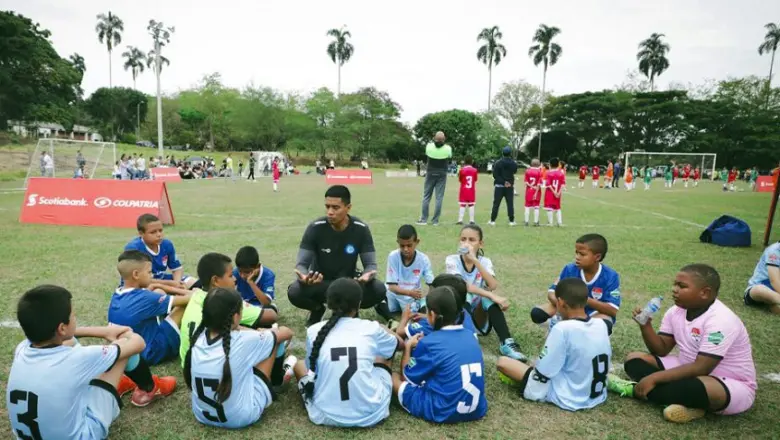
443,379
151,242
764,286
602,281
254,281
145,307
56,388
572,369
407,268
412,324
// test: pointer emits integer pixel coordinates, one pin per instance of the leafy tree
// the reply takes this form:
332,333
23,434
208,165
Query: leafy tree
491,53
110,28
37,84
78,63
491,138
340,50
460,126
114,109
512,104
769,45
652,57
134,61
547,53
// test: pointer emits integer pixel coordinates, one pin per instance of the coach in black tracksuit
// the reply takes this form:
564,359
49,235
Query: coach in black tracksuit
504,184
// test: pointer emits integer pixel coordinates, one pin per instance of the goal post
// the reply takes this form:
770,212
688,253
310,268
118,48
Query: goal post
66,157
705,161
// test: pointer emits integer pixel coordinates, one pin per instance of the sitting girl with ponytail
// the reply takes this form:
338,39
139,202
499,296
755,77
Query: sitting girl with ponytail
346,380
443,372
226,368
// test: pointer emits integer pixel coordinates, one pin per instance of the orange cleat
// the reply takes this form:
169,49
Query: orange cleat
126,385
163,386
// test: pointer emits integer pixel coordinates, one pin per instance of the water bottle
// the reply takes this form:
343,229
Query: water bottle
650,309
415,306
554,320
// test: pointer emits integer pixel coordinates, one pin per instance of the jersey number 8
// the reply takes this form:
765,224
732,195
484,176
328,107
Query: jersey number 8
600,370
465,374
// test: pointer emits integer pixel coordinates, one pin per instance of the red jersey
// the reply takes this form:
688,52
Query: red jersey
468,184
732,176
675,172
583,172
533,192
696,174
275,168
595,172
556,181
686,171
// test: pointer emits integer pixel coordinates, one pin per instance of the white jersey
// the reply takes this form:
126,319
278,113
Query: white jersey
346,390
409,277
572,369
249,396
454,265
49,390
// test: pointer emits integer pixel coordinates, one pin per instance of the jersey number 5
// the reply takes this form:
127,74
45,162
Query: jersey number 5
351,352
201,384
600,370
465,374
28,418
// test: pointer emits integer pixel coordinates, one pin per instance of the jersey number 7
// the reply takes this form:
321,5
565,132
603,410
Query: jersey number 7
351,352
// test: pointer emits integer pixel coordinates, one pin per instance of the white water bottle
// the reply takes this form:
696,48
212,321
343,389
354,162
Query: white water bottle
650,309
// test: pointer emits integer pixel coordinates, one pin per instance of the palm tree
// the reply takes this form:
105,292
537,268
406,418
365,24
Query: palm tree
491,53
770,44
547,53
340,50
109,28
134,60
151,57
78,63
652,57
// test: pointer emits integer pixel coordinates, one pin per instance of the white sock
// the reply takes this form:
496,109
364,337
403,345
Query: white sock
560,217
686,184
276,186
527,213
549,216
536,215
471,213
461,211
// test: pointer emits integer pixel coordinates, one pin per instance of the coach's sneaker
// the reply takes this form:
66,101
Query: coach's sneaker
512,223
289,369
421,223
163,386
508,380
491,223
125,385
682,414
510,349
622,387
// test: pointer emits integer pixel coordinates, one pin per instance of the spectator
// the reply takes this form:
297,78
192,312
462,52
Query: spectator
438,154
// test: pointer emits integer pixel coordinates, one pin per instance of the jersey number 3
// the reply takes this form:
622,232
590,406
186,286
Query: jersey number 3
351,353
201,384
600,370
469,182
465,374
28,418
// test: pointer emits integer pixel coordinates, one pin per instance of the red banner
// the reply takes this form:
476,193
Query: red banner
347,177
765,184
94,202
166,174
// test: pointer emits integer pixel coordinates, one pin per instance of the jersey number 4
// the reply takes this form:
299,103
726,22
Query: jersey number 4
201,384
28,418
465,374
351,353
600,370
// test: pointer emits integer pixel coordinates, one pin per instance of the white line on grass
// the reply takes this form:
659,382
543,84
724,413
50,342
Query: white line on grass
667,217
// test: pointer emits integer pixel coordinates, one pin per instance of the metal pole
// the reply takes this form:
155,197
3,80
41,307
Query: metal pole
159,99
138,120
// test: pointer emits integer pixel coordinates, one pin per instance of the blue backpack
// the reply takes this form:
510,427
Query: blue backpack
727,231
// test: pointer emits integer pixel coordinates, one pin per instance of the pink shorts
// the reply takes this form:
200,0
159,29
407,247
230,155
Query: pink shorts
740,395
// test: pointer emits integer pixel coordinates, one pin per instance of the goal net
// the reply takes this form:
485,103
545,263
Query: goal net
659,161
264,160
70,158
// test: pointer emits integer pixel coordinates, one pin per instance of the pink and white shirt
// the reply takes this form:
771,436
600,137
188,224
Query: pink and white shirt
718,333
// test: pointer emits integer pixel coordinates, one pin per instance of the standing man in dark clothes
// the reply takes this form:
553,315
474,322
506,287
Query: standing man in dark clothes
329,250
251,167
438,154
618,171
504,181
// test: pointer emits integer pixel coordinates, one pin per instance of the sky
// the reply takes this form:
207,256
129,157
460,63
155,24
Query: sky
422,52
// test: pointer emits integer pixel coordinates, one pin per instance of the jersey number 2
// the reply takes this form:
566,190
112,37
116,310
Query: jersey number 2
465,374
201,384
600,370
28,418
351,354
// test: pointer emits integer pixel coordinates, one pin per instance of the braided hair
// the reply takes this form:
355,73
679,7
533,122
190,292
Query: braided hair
219,308
441,303
343,296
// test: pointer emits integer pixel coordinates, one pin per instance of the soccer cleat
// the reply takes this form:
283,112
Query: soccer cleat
459,222
512,223
536,225
525,224
622,387
682,414
315,316
163,386
508,380
289,366
125,385
510,349
491,223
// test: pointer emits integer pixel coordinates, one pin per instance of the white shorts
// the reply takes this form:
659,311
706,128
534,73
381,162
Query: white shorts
397,303
102,408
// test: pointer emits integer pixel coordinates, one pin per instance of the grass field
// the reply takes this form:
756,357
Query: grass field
651,235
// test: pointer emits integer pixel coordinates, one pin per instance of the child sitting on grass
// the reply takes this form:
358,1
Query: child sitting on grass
714,370
407,269
572,369
254,281
764,286
151,242
412,324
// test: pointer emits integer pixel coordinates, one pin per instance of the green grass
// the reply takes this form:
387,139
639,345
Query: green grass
645,248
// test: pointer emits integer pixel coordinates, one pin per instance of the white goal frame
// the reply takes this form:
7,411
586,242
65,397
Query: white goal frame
672,153
48,145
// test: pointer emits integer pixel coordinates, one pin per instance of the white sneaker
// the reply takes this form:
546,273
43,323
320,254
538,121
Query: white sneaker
512,224
492,223
288,367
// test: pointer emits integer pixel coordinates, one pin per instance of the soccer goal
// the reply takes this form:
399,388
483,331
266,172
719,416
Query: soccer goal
263,161
659,159
66,157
